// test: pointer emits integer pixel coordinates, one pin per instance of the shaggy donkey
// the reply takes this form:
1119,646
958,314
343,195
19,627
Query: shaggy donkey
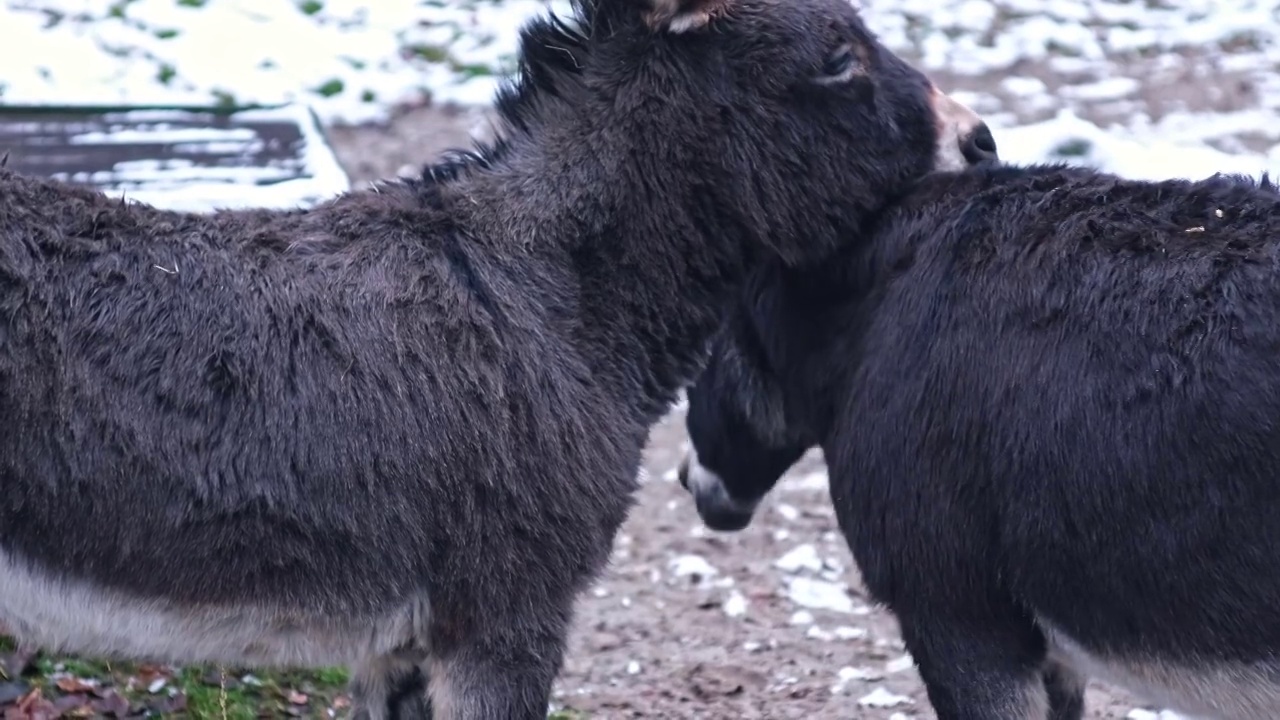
1049,402
399,430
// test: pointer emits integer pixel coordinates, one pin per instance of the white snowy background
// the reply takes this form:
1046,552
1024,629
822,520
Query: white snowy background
357,61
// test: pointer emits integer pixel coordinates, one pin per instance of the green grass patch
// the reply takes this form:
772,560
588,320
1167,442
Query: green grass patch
205,696
1076,147
473,70
430,53
199,692
331,87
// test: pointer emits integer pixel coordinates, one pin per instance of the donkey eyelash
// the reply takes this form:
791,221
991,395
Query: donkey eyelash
842,66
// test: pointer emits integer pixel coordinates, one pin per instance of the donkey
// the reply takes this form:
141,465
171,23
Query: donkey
1049,402
398,431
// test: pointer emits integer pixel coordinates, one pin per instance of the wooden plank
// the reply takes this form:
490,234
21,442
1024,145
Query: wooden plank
186,158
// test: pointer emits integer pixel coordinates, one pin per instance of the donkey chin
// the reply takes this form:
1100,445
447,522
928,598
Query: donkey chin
719,510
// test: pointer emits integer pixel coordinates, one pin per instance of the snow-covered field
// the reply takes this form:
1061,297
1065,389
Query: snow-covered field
355,60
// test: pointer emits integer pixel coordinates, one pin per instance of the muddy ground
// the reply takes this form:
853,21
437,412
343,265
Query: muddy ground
661,636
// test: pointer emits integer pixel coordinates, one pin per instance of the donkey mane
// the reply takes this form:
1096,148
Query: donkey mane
552,51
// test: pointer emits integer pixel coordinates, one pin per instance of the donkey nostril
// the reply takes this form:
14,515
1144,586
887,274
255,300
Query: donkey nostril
980,146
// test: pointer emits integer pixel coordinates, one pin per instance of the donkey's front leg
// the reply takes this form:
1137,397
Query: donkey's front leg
504,670
391,687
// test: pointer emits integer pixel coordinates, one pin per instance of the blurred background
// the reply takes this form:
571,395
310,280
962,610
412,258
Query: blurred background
1118,83
767,623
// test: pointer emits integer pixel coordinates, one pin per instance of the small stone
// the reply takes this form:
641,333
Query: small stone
736,605
11,691
859,673
692,566
844,632
906,662
819,594
802,557
816,633
802,617
882,698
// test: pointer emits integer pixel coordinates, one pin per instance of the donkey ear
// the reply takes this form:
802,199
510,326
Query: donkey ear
680,16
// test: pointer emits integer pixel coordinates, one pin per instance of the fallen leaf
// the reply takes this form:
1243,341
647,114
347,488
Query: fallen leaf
71,684
73,706
297,698
113,704
30,699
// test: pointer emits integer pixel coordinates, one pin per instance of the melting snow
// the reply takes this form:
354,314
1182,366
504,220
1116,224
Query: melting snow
882,698
816,633
844,632
1139,714
819,595
1068,138
906,662
802,617
788,512
802,557
692,566
352,59
735,605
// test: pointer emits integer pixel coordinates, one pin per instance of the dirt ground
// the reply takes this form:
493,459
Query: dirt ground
692,624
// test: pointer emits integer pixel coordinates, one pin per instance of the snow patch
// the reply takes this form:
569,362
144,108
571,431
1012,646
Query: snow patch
735,605
819,595
883,698
1070,139
802,557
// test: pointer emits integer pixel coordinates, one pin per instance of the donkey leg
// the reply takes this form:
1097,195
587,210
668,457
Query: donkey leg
409,698
504,674
1065,688
973,670
391,687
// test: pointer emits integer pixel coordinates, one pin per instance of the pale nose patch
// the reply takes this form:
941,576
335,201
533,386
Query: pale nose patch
707,485
956,124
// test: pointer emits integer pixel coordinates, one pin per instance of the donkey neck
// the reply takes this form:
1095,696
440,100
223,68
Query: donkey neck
654,257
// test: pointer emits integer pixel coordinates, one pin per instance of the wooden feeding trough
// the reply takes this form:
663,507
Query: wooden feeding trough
180,158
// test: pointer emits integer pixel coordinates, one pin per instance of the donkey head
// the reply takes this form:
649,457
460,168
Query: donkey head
782,121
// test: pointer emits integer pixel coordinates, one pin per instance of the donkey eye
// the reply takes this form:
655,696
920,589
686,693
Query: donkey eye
841,66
